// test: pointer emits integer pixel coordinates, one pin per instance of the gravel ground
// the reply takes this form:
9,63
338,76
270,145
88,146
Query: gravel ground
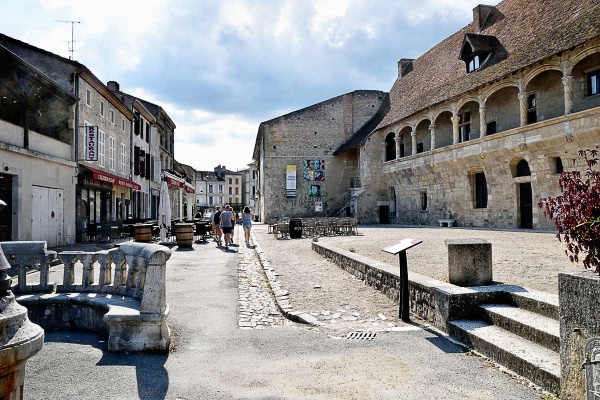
525,258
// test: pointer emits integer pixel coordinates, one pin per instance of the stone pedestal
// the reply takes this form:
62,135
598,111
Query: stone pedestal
19,338
469,262
579,312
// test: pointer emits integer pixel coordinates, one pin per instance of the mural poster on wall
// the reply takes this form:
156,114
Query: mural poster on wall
314,190
314,170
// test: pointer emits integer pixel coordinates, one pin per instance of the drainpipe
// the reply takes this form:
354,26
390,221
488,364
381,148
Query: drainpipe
77,120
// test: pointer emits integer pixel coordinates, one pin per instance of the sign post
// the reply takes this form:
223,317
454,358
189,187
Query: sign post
400,249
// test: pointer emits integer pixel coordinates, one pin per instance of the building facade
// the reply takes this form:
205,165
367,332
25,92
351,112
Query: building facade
306,162
37,159
481,126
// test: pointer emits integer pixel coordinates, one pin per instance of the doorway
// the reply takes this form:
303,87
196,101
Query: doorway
6,212
384,214
526,205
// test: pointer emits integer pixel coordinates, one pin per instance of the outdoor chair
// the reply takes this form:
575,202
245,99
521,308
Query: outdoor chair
283,228
352,226
334,227
92,232
325,227
309,227
344,227
271,225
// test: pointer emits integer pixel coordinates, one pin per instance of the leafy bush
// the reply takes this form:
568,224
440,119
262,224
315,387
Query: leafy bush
576,213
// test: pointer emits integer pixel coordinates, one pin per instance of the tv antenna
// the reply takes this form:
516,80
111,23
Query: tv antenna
72,42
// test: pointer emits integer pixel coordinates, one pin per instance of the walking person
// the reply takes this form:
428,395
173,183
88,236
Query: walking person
233,221
247,224
226,224
217,221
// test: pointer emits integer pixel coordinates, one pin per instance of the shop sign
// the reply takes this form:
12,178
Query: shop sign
91,143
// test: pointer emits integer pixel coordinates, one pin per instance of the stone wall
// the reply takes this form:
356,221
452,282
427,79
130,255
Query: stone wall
312,133
579,310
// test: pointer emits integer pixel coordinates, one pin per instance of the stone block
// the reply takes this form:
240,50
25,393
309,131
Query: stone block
469,262
579,311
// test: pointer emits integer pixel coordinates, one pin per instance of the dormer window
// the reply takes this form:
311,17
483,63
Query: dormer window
473,63
481,51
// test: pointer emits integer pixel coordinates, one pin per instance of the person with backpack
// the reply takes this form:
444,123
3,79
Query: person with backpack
217,222
227,224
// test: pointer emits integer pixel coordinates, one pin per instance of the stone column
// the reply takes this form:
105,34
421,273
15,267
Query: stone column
523,107
432,129
383,151
482,123
455,132
413,136
568,89
398,141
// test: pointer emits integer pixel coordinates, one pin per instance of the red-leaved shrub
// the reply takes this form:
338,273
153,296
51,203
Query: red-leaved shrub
576,213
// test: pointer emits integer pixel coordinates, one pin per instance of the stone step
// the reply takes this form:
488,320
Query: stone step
529,325
542,303
530,360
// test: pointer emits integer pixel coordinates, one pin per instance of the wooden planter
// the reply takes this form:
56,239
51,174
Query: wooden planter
143,233
184,234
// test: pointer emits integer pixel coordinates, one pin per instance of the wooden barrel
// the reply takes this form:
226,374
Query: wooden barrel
143,233
184,234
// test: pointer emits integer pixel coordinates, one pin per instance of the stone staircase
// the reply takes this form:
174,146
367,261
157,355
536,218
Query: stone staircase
521,333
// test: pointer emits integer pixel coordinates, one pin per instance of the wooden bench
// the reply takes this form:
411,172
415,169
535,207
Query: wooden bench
446,222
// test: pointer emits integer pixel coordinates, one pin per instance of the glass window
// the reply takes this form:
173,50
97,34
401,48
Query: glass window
423,201
112,153
88,97
123,158
473,64
102,108
464,126
112,116
531,109
594,83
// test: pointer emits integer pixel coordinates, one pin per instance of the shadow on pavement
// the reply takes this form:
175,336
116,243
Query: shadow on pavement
152,377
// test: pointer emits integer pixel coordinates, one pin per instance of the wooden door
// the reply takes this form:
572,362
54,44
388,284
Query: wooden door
526,205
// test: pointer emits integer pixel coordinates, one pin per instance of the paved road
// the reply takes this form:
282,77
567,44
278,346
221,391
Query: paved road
230,344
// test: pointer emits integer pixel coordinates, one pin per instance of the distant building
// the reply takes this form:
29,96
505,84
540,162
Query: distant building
222,187
249,186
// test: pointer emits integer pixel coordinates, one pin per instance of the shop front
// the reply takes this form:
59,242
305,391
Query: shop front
101,198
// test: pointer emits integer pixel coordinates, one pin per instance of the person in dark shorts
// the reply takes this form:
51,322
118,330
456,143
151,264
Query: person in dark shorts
217,222
227,224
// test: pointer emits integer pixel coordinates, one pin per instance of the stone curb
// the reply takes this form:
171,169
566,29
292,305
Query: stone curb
281,296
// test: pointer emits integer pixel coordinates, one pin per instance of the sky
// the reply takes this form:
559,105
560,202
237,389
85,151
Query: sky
221,67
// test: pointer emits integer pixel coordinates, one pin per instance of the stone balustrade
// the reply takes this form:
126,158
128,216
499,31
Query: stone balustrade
121,291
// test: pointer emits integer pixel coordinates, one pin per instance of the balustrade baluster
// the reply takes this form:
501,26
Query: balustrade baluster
69,272
22,271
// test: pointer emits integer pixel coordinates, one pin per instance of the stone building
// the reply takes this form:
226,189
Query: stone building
37,157
481,125
219,187
103,174
308,162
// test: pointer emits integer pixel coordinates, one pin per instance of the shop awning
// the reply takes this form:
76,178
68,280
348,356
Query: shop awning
110,178
176,181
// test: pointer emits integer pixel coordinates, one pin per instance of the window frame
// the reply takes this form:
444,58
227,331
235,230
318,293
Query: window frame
112,153
423,200
589,77
473,63
111,113
464,124
532,108
123,158
88,98
102,108
101,148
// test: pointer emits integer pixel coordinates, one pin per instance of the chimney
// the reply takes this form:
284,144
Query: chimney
481,15
404,66
113,85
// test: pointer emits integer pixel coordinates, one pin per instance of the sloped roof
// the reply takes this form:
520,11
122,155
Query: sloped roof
529,30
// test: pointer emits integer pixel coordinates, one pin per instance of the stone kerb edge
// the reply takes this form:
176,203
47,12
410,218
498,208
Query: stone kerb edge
281,296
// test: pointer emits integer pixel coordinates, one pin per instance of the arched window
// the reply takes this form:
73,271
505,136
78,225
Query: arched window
390,147
523,168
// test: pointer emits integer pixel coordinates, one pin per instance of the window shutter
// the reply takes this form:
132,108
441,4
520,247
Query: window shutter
136,162
148,166
157,169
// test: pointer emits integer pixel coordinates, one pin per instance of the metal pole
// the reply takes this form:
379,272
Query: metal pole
403,296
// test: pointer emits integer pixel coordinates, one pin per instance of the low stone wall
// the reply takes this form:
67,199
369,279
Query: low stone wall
434,301
128,301
579,309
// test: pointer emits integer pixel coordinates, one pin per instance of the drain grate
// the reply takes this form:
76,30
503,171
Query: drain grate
361,335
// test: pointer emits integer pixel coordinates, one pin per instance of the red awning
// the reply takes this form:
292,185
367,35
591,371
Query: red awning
110,178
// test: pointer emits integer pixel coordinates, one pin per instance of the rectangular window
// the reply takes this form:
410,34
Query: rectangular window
230,181
123,158
481,195
220,188
464,126
237,181
230,190
423,201
210,201
253,174
558,166
112,153
230,200
123,125
221,200
419,147
473,64
136,124
112,116
401,150
88,97
491,127
531,109
211,189
237,190
593,83
101,148
147,132
101,108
